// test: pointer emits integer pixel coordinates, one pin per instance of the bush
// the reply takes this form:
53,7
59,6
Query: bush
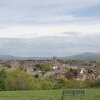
60,83
2,80
45,67
92,83
46,84
19,80
74,84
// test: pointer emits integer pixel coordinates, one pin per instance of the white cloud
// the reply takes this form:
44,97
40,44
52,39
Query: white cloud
53,25
33,31
50,46
25,19
58,18
18,12
53,2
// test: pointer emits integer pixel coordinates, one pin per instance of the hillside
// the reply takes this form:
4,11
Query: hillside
9,57
85,56
82,56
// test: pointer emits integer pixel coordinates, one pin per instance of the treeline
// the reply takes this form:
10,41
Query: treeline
19,80
81,62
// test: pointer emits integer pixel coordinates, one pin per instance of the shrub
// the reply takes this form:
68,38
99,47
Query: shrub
46,84
2,80
74,84
92,83
45,67
60,83
19,80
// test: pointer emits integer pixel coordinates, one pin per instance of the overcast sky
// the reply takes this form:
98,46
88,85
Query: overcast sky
49,27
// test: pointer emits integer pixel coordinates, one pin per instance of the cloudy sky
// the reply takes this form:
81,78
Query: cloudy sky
46,28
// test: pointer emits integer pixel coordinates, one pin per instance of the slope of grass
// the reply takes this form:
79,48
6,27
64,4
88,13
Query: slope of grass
90,94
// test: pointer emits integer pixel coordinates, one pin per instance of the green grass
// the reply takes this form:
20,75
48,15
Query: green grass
90,94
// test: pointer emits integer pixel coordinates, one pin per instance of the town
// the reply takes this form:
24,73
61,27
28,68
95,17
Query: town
53,68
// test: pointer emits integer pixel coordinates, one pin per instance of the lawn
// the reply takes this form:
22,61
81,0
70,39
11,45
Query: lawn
90,94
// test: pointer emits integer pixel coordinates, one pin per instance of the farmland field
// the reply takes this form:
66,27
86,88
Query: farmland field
90,94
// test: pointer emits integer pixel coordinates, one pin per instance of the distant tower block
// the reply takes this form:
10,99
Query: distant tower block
14,65
54,61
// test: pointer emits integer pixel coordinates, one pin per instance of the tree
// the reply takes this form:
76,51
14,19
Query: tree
19,80
2,80
74,71
45,67
60,83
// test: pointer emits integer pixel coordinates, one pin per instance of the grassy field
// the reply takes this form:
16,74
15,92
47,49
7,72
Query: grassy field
90,94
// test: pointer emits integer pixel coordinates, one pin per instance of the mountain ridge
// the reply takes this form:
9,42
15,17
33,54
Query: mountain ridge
81,56
85,56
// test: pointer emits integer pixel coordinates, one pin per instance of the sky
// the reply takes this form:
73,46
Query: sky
46,28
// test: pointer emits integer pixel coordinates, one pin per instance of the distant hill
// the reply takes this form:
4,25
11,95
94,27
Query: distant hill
82,56
85,56
8,57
